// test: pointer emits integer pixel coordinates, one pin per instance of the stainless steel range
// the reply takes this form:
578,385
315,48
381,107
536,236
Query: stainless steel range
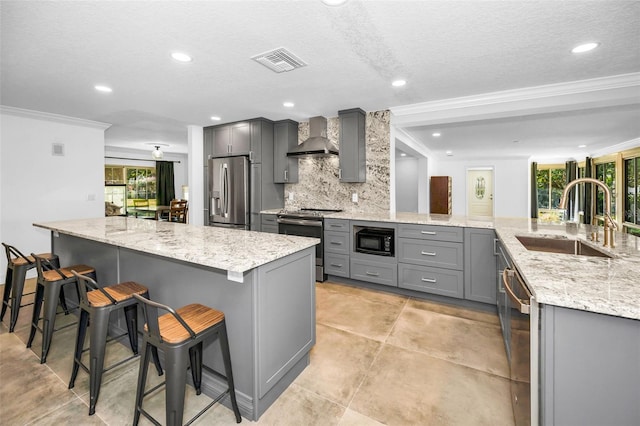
306,223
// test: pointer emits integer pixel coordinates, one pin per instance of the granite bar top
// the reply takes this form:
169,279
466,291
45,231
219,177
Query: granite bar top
594,284
232,250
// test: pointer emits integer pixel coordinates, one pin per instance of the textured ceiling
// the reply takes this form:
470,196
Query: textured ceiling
53,53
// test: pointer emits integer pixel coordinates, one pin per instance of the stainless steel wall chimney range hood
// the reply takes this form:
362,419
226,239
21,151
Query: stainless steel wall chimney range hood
317,145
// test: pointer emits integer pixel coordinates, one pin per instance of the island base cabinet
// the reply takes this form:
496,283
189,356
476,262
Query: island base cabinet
433,280
589,368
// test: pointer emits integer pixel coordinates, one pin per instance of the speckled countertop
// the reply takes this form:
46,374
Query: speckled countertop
595,284
221,248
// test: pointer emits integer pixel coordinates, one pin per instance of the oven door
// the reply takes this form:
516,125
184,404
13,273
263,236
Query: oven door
304,228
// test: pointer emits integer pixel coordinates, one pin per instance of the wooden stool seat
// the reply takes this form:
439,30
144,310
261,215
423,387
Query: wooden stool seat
119,292
198,317
54,275
30,259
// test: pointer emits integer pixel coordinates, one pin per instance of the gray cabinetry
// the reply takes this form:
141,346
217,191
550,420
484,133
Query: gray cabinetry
479,265
336,247
374,272
232,139
285,169
252,138
430,259
269,223
589,368
352,145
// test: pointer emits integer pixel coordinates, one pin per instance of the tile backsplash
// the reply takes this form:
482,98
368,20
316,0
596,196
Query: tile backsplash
318,185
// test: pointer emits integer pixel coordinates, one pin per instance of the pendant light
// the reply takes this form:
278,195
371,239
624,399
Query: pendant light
157,154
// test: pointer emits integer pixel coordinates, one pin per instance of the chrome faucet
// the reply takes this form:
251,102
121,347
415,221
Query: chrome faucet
609,224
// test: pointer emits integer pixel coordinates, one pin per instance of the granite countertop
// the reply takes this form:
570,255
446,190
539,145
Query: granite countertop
594,284
232,250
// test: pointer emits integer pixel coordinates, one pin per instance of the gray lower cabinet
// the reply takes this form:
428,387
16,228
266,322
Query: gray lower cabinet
336,247
431,259
445,282
269,223
589,368
374,272
479,265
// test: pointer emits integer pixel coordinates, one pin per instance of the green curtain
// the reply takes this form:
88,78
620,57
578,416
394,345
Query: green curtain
571,171
587,207
165,184
534,190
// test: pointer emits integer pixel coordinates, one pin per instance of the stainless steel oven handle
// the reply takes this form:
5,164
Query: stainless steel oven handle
523,305
316,223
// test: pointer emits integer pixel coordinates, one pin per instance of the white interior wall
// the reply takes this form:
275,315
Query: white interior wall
37,186
407,176
511,184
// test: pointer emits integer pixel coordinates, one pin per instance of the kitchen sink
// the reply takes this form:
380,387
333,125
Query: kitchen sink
560,245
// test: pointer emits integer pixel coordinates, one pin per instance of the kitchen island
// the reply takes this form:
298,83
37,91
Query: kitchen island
264,284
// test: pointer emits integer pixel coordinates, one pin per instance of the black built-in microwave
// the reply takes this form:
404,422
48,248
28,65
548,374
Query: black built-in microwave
378,241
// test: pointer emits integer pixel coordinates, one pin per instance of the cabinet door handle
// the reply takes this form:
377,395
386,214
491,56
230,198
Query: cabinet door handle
285,175
251,156
333,225
336,243
428,232
428,253
337,265
373,274
429,280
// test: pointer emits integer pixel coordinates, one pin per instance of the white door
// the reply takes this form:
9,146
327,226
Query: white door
480,192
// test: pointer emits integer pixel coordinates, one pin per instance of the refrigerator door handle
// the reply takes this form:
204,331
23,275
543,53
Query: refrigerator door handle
225,191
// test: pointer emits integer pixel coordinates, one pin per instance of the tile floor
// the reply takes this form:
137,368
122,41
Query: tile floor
379,359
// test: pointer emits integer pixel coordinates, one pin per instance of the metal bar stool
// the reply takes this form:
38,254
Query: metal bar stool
96,305
180,334
51,279
17,266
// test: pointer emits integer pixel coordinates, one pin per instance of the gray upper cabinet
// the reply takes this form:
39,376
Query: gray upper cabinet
285,137
228,139
353,160
480,265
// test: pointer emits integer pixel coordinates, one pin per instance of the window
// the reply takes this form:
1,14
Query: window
632,194
550,183
140,182
606,172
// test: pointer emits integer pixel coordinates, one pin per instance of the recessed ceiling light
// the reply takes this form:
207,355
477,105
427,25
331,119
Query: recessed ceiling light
584,47
436,134
334,2
289,104
215,118
399,83
402,154
449,153
582,146
105,89
181,57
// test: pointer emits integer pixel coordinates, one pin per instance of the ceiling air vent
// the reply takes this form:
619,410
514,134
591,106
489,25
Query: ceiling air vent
279,60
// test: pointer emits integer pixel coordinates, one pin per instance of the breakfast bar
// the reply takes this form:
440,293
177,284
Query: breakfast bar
263,283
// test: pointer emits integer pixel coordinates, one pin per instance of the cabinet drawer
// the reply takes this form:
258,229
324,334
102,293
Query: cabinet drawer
336,242
431,232
374,272
445,282
336,264
269,220
431,253
340,225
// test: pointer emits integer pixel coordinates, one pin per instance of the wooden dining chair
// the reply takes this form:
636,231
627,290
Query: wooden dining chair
178,211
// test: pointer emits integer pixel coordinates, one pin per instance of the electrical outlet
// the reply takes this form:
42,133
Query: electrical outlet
91,197
354,197
290,196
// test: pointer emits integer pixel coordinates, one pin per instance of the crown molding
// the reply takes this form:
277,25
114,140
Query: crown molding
581,94
56,118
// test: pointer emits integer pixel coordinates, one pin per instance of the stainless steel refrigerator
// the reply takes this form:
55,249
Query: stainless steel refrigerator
229,192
